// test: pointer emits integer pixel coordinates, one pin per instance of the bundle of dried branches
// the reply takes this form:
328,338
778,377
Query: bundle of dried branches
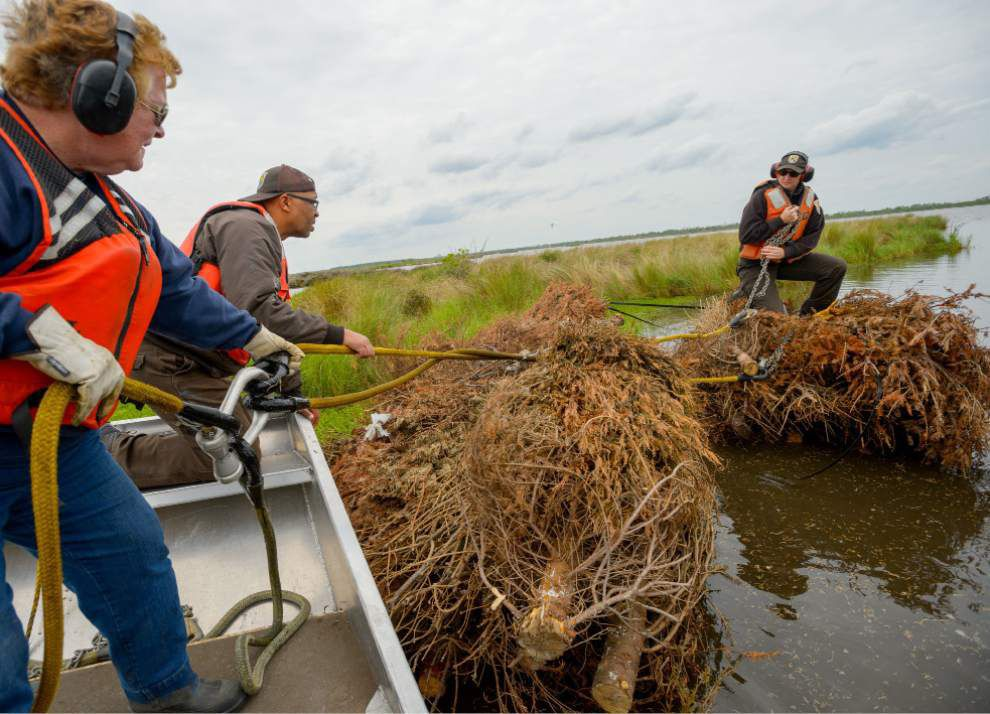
543,537
922,351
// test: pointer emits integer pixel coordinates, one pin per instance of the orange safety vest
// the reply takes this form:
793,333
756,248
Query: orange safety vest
777,201
94,264
210,272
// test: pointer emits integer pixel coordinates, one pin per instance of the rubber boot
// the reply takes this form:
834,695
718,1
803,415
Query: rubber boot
203,695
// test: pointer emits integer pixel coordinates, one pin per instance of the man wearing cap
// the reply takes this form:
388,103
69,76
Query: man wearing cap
786,206
236,247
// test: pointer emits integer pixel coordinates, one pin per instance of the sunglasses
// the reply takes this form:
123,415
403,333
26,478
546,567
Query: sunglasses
314,202
788,172
159,112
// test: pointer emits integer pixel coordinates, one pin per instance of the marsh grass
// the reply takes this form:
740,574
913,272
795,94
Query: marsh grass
454,300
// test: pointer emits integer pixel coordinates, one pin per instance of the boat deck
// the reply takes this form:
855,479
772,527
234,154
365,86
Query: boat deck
345,658
339,682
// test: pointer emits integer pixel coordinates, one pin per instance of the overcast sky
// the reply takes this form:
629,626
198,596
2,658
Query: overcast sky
431,126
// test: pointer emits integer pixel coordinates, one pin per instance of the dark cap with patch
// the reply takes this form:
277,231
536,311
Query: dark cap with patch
278,180
794,160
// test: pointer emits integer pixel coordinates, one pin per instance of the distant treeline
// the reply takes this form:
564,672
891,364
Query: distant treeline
303,279
913,208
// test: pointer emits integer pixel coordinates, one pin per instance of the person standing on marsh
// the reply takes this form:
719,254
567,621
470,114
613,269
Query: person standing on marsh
236,247
787,203
84,272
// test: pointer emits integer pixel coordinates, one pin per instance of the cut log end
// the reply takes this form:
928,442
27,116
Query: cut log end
747,364
544,633
543,637
615,678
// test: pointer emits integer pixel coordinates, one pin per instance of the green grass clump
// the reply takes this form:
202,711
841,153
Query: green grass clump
888,240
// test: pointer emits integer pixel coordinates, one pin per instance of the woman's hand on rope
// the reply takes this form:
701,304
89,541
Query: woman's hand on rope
357,342
266,343
66,356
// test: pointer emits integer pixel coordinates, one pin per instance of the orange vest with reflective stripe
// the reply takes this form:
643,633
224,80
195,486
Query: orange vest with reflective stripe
94,264
777,201
210,272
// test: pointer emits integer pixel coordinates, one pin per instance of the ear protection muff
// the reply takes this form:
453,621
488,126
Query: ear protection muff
103,94
809,171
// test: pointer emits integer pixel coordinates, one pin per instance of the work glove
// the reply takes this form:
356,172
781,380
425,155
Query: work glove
66,356
267,342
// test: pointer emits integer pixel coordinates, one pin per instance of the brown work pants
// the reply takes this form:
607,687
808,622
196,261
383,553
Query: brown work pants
172,458
826,271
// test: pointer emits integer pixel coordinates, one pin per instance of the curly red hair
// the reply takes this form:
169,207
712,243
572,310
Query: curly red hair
49,39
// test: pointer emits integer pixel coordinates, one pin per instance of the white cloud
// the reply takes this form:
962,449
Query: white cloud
635,124
450,131
693,153
895,119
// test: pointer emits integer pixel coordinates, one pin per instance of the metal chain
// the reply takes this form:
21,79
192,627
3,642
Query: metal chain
763,279
769,364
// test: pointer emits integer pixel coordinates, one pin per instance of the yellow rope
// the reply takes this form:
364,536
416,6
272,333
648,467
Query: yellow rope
714,380
434,357
826,311
692,335
464,354
353,397
147,394
44,501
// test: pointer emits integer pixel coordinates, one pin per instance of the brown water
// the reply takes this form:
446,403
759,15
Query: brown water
867,585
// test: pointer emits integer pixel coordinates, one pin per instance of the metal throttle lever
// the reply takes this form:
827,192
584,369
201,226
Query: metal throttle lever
222,442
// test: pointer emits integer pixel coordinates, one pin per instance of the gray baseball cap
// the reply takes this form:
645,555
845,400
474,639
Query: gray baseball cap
278,180
793,160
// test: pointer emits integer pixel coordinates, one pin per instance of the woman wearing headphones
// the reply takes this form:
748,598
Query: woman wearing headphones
787,208
84,272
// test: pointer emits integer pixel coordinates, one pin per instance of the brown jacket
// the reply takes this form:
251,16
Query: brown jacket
248,250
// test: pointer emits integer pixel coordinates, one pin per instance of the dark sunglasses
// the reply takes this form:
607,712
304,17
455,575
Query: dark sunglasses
314,202
788,172
159,112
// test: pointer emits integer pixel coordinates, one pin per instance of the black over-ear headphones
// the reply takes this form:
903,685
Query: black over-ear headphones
103,93
807,175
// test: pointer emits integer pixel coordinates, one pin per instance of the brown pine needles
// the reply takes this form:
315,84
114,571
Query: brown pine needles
924,350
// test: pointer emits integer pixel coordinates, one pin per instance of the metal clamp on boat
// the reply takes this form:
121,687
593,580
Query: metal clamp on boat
259,397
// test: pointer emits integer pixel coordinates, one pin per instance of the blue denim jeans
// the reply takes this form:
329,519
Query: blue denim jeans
113,558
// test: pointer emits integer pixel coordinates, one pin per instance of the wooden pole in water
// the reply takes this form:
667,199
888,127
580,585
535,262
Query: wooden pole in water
544,634
615,678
